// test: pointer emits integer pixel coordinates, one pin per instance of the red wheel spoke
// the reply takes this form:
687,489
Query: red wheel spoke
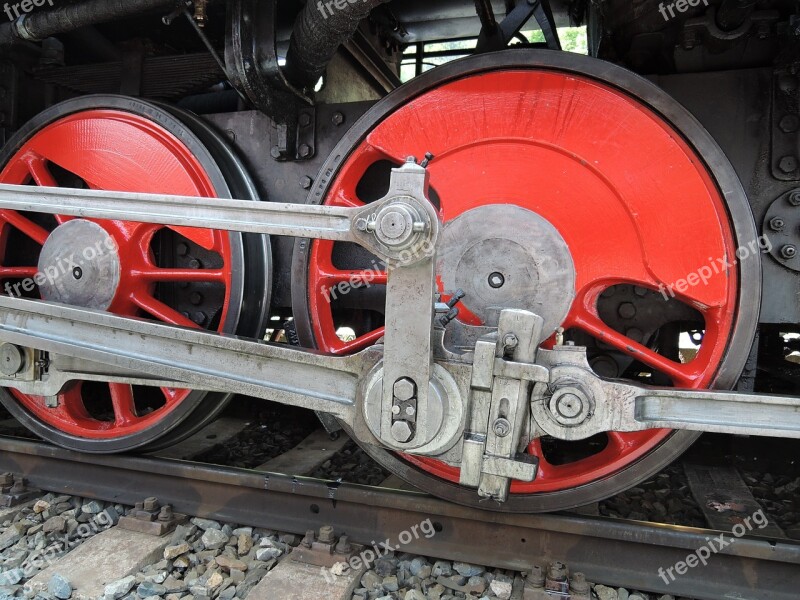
161,311
36,232
680,375
356,277
122,400
39,171
347,200
359,343
17,272
189,275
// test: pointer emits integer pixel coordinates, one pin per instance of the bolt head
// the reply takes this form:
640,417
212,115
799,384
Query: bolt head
276,153
788,164
789,251
326,534
402,431
501,427
776,224
306,182
794,198
789,123
151,504
304,151
337,118
12,359
404,389
305,119
496,280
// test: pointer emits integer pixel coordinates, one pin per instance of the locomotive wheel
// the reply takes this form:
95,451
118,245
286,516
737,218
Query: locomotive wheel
636,188
186,277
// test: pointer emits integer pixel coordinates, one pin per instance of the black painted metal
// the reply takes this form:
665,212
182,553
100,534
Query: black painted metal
251,58
615,552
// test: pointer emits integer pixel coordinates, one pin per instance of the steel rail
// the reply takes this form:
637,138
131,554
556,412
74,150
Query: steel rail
615,552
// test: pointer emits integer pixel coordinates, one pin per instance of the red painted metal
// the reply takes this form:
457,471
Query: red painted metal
633,202
115,150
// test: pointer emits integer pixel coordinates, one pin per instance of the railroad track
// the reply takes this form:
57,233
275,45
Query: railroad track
614,552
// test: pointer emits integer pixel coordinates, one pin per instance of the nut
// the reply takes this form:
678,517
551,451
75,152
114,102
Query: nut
150,504
776,224
501,427
402,431
326,534
404,389
789,251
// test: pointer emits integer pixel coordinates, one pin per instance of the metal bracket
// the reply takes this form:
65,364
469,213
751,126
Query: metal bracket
251,58
324,549
503,370
785,156
151,518
14,490
497,36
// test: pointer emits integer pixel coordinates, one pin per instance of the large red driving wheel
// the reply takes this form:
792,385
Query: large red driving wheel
640,195
181,276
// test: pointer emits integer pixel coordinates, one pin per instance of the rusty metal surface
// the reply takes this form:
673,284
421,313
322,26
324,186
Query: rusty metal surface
614,552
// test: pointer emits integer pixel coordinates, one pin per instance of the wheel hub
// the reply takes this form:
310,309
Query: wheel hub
505,256
80,265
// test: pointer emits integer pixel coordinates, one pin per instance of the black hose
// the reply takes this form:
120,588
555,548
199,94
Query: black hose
320,29
39,25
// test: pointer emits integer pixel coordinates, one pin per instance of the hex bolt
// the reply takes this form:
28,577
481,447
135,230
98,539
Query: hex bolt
402,431
166,513
276,153
19,485
306,182
410,411
12,359
396,410
343,547
337,119
776,224
308,539
557,571
794,198
496,280
326,534
578,586
404,389
788,164
501,427
789,251
362,224
789,123
199,317
510,341
304,151
196,298
305,119
627,310
151,504
535,576
195,264
138,506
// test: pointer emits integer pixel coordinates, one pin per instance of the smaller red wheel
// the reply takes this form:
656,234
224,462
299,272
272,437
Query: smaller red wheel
181,276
